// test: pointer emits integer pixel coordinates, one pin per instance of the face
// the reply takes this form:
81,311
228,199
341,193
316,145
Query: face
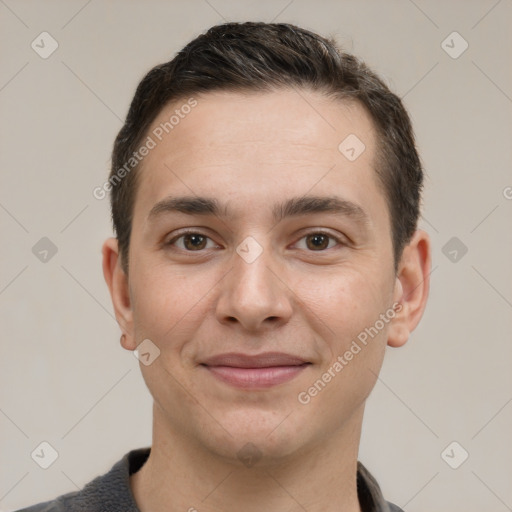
260,256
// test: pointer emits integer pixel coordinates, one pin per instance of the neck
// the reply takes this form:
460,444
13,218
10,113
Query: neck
182,476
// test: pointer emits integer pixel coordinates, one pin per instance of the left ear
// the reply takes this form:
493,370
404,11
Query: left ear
411,288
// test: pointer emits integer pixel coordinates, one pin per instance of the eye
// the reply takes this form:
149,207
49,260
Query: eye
320,241
191,241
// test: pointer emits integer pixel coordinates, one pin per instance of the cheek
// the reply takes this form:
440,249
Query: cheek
165,301
344,303
346,311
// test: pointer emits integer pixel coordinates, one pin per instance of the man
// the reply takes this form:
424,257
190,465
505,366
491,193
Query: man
265,194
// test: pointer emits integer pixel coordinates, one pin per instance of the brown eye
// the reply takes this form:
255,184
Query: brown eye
320,241
190,242
194,242
317,241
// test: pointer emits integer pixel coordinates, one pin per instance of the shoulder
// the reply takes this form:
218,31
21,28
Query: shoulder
370,494
110,491
56,505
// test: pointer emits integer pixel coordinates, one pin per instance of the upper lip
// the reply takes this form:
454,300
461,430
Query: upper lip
265,360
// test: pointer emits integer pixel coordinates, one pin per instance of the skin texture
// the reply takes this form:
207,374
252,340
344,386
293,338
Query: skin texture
250,152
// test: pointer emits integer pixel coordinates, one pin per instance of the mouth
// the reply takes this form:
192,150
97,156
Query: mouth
257,371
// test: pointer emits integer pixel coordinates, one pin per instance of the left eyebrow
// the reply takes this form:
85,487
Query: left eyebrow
293,207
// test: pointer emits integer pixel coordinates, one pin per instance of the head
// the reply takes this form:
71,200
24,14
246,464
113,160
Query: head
294,170
259,57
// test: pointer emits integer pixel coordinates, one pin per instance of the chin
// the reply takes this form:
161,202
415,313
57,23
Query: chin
256,438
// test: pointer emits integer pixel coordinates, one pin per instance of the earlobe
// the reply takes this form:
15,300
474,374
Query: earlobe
117,282
411,288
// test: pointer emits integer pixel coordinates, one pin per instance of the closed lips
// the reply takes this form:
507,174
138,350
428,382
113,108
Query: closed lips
266,360
255,372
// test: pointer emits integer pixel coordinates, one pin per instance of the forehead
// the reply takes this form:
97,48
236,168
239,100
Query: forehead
265,143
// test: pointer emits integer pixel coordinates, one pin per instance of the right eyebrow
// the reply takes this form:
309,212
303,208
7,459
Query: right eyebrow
293,207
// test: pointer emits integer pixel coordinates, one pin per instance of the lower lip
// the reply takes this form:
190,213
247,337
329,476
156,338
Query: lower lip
251,378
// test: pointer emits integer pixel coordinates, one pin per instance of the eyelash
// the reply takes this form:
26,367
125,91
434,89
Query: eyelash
191,232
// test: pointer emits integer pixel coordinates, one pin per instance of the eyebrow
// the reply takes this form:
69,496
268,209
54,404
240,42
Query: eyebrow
293,207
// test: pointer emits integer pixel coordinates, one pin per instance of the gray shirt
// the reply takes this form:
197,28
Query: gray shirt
111,492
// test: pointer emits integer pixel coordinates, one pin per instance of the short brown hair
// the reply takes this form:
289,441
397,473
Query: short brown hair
256,56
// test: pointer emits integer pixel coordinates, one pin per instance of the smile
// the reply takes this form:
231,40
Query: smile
253,372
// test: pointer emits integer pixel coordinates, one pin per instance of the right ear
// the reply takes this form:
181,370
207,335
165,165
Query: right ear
117,282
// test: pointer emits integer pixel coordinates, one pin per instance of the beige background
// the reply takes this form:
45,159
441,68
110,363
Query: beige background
64,377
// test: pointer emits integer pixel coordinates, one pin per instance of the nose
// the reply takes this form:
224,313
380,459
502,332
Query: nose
254,295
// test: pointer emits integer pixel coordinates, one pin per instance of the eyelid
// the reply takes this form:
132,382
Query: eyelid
184,232
341,240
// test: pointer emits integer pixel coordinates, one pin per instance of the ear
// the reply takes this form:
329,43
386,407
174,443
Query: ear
117,282
411,288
